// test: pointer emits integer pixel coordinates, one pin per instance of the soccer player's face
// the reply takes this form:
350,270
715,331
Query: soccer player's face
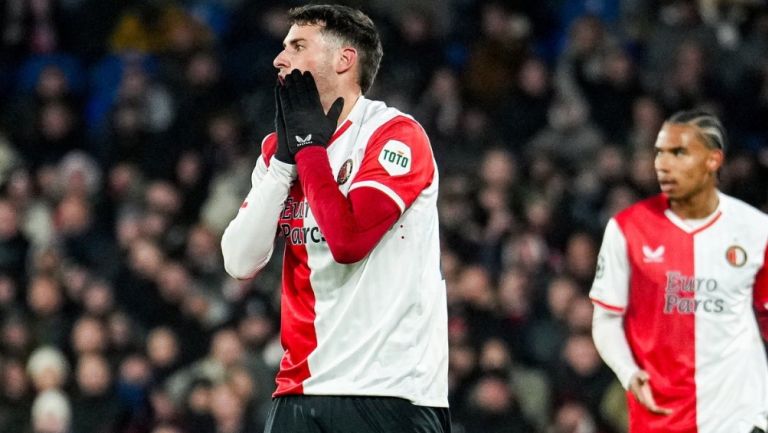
305,48
684,164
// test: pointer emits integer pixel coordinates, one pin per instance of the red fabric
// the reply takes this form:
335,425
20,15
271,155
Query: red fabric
269,147
760,294
762,321
662,338
351,225
297,311
421,171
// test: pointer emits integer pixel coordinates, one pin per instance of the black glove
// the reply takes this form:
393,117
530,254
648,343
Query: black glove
282,153
306,124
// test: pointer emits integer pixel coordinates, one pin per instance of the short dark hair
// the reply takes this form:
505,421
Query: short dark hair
352,27
707,124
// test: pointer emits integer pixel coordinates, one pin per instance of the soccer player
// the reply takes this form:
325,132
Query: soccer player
351,185
677,278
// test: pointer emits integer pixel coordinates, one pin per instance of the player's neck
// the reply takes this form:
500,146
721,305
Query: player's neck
350,95
697,206
350,99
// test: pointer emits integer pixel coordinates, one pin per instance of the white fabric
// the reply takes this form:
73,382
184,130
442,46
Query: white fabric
248,241
693,223
611,285
383,188
382,322
732,371
611,343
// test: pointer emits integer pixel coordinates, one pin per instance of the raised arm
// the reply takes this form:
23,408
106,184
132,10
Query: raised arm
249,238
353,224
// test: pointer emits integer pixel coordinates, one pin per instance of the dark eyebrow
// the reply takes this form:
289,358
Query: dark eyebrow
670,148
294,42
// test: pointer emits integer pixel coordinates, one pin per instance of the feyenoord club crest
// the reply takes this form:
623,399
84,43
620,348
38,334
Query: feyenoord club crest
736,256
344,172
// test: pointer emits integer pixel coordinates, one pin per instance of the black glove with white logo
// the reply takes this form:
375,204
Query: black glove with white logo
306,124
282,153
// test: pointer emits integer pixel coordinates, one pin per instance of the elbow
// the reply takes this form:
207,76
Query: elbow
236,268
242,263
242,270
347,253
238,271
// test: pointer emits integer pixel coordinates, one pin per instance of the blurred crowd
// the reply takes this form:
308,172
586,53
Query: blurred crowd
129,128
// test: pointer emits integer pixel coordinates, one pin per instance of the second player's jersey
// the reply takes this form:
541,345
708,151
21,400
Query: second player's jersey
686,296
376,327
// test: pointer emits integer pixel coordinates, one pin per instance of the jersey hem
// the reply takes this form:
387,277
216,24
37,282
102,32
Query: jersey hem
414,401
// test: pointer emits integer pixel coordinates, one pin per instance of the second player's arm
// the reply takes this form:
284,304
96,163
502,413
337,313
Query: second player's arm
610,293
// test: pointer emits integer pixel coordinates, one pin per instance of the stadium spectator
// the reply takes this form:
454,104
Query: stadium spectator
51,413
95,406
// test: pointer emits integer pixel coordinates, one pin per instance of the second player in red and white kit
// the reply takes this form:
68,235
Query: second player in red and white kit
675,291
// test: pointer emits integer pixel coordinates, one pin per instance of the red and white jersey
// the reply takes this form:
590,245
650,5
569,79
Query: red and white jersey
686,296
377,327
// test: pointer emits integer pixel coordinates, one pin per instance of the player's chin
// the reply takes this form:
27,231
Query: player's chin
673,194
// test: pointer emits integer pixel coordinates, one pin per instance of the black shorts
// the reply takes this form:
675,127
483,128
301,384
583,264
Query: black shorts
353,414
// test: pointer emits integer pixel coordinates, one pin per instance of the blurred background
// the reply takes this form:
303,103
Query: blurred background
129,128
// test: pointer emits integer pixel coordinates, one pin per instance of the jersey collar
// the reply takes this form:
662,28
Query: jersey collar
710,220
354,117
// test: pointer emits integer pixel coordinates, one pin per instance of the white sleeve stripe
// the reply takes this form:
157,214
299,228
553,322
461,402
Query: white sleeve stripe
607,306
383,188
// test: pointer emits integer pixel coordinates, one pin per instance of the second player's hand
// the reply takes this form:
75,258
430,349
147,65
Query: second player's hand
640,387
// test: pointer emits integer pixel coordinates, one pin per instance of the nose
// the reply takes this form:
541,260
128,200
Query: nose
281,61
661,163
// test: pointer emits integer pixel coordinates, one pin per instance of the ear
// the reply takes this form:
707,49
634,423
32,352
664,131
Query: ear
346,60
715,160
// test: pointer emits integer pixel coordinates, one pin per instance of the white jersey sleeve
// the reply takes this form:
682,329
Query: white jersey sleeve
610,289
249,239
612,345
